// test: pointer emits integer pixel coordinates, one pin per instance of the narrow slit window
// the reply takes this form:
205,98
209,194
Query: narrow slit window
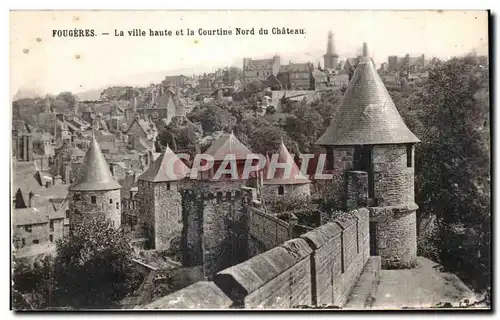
409,156
281,190
93,199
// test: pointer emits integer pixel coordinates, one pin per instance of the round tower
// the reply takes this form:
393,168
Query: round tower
369,136
286,180
95,191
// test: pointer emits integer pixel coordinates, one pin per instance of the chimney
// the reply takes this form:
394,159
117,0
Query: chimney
57,180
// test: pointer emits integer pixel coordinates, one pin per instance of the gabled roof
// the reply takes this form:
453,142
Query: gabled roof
296,67
168,167
367,114
146,126
258,63
228,144
94,172
295,176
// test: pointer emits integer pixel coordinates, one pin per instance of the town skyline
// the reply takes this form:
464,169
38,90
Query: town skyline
41,70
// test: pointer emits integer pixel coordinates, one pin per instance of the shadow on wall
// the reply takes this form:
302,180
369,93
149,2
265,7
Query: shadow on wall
319,268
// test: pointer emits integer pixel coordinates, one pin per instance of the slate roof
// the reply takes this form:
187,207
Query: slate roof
278,177
367,114
228,144
296,67
27,178
168,167
259,63
94,173
30,216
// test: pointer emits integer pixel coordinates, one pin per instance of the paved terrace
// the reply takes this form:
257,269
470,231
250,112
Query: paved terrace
422,287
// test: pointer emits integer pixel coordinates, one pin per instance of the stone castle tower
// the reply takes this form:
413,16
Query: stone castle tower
369,130
215,226
330,58
282,183
95,191
161,200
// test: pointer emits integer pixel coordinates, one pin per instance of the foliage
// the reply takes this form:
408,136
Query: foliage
93,267
180,138
115,93
33,284
450,114
262,136
285,204
305,127
213,118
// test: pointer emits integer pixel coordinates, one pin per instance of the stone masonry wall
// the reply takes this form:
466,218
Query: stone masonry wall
357,189
320,268
215,224
31,233
145,196
396,236
393,180
167,214
108,203
395,232
220,214
290,190
265,231
192,232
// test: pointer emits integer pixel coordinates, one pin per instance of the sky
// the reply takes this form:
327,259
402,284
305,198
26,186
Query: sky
43,64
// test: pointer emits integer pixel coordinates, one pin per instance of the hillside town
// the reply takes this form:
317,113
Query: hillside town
204,242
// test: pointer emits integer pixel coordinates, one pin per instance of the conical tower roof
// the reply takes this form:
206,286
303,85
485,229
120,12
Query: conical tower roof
295,177
228,144
168,167
367,114
94,172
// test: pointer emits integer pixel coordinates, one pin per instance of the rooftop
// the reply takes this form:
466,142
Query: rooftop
94,173
228,144
295,176
168,167
367,114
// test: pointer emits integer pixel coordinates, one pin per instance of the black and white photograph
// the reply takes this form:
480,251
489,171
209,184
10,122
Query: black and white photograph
252,160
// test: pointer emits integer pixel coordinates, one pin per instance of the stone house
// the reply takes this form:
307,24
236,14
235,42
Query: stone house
142,134
320,79
175,81
39,212
297,76
260,70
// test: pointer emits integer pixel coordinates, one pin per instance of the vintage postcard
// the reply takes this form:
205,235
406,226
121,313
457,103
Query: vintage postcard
277,160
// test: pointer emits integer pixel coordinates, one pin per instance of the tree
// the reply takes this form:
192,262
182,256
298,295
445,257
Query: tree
93,267
116,93
453,164
33,284
304,127
263,136
213,118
